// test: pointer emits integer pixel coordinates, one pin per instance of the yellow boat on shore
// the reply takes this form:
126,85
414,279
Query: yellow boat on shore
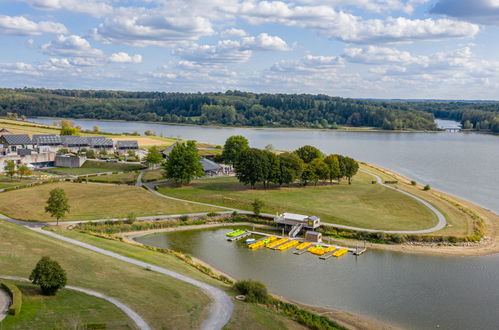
262,242
303,245
287,245
275,243
340,253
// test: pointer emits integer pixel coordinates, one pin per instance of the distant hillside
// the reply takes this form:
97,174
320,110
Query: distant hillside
234,108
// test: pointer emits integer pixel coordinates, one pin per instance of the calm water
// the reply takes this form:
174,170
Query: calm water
463,164
411,291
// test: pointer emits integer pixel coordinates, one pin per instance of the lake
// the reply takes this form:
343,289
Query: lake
462,164
405,290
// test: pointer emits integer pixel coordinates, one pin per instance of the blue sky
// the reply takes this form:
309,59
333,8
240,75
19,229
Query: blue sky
445,49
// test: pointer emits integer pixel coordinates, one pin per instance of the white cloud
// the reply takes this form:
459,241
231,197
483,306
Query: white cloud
309,63
94,8
377,6
19,25
231,51
123,57
264,42
19,68
477,11
233,32
350,28
71,46
147,28
382,55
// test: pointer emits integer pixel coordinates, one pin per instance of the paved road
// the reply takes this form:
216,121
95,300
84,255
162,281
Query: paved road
440,225
4,304
221,307
141,324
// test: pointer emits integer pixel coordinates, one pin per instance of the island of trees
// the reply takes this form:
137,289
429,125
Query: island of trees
236,108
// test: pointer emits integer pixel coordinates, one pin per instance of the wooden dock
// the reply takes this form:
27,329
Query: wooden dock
238,237
328,255
359,252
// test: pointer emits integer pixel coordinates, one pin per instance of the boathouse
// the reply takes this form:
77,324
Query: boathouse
297,222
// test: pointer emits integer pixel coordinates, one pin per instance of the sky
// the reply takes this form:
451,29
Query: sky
431,49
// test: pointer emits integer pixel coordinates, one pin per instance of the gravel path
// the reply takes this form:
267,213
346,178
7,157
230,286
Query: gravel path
4,304
141,324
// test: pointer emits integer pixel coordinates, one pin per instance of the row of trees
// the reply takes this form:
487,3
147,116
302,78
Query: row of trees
306,165
229,108
12,169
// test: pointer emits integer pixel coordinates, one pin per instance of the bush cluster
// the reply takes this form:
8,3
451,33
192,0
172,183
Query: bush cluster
254,291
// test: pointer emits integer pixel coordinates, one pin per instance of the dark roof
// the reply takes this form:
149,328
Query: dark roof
4,130
74,140
47,139
17,139
24,152
131,144
209,165
169,149
100,141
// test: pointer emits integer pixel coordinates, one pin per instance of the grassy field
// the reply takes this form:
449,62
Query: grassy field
459,223
92,167
148,293
361,204
153,175
68,309
123,178
244,314
92,201
165,303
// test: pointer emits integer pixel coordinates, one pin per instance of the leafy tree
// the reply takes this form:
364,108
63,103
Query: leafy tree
290,168
250,166
150,133
308,153
257,206
183,163
68,128
57,204
271,168
234,145
154,157
351,168
10,168
96,129
341,162
254,291
90,154
427,187
321,170
23,170
333,164
49,275
308,174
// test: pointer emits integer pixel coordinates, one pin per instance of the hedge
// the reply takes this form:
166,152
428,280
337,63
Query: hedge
16,296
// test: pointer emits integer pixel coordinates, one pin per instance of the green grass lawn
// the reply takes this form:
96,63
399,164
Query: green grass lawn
92,166
68,309
92,201
361,204
153,175
164,302
123,178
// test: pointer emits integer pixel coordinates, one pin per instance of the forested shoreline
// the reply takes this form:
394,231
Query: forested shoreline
235,108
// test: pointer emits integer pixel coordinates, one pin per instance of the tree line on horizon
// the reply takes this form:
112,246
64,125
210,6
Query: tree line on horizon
236,108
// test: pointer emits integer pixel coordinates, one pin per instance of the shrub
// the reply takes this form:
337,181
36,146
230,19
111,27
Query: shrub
398,238
427,187
254,291
235,213
16,297
184,218
131,219
212,214
257,206
49,275
413,182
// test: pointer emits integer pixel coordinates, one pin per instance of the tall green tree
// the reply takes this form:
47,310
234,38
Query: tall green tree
234,145
308,153
308,174
271,168
351,168
154,157
341,163
334,167
10,168
57,204
321,170
183,165
290,168
49,275
23,170
250,167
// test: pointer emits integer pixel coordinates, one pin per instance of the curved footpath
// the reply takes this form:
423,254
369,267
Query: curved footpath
139,321
4,304
221,307
440,225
